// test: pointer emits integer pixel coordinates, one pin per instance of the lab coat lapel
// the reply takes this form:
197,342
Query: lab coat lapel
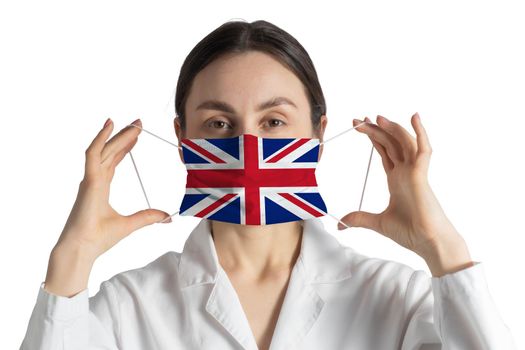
300,310
199,264
225,306
322,259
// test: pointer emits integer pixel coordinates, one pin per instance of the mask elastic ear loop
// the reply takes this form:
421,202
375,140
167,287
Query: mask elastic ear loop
141,185
366,176
341,133
166,218
149,132
137,170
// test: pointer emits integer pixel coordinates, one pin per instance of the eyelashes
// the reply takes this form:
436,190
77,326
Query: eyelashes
221,124
279,120
213,124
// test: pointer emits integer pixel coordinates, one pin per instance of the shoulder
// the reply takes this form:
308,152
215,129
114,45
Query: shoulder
163,271
384,274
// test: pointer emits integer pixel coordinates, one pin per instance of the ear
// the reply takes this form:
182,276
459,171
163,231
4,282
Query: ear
322,128
180,134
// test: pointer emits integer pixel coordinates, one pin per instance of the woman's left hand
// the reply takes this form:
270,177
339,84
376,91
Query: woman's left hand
414,218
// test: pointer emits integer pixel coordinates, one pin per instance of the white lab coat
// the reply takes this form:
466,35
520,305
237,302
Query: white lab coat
336,299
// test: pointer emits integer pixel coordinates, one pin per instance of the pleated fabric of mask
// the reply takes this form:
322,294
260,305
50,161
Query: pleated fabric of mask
251,180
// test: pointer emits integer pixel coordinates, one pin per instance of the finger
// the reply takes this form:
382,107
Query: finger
408,142
361,219
387,162
95,147
120,140
423,144
114,161
389,143
143,218
381,136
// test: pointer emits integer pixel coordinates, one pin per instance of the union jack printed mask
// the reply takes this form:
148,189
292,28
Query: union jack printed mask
251,180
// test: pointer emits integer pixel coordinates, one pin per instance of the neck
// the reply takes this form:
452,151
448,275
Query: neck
257,251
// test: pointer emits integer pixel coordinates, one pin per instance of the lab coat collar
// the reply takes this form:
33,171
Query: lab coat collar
322,259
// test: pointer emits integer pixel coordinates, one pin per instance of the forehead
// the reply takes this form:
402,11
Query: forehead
245,80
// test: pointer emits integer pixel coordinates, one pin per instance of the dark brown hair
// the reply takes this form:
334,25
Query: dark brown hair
239,37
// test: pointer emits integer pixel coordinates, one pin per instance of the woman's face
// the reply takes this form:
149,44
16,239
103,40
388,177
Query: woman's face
234,94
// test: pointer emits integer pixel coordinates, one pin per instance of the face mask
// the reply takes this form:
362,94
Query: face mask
251,180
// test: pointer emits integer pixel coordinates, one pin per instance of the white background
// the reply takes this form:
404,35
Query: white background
66,66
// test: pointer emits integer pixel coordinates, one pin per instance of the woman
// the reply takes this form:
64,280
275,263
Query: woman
281,286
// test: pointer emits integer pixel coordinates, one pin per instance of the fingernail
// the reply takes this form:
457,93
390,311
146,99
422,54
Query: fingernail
341,225
384,118
137,122
357,121
107,122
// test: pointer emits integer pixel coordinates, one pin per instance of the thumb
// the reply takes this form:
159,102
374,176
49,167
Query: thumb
146,217
360,219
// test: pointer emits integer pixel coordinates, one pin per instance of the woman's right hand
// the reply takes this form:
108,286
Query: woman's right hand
93,226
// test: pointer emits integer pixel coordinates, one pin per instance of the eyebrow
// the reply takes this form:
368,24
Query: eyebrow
225,107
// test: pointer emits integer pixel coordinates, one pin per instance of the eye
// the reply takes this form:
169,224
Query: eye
273,124
219,124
